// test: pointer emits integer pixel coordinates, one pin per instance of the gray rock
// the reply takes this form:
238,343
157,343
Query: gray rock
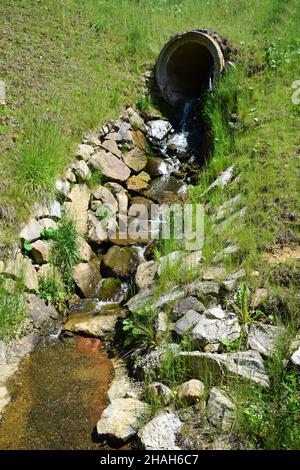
112,167
21,267
78,206
41,251
84,151
191,262
122,261
259,297
160,433
51,210
40,313
247,364
47,223
135,119
175,293
158,389
87,278
141,299
112,147
221,411
31,231
185,324
188,303
167,261
202,288
216,313
214,330
135,159
161,324
231,281
213,273
85,251
229,250
191,392
70,176
223,180
105,195
62,187
295,357
263,338
96,231
157,130
82,171
145,274
122,419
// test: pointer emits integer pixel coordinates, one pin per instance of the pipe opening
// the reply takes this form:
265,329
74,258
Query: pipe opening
189,71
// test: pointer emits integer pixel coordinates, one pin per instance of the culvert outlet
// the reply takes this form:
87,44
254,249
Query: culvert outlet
188,65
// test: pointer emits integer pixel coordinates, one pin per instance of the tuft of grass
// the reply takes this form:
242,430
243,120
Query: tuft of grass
65,253
140,329
95,179
12,307
51,288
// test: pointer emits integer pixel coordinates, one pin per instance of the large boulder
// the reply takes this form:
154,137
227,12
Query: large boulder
122,419
41,251
187,322
221,411
135,159
39,312
112,167
87,278
145,274
247,364
21,267
263,338
191,392
161,432
122,261
78,206
214,330
31,231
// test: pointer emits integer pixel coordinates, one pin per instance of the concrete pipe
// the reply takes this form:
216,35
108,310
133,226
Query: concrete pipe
188,65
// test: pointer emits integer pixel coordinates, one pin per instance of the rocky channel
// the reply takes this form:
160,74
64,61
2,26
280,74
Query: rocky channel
143,160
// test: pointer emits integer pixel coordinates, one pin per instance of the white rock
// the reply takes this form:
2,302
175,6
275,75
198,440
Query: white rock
211,330
84,151
160,433
157,130
63,187
31,231
221,411
295,358
263,338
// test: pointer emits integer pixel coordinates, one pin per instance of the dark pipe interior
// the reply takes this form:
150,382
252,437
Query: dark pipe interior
189,69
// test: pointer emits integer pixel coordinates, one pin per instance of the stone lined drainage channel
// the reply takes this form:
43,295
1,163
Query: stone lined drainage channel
60,390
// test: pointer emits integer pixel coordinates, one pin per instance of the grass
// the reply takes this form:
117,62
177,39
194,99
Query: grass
12,307
65,253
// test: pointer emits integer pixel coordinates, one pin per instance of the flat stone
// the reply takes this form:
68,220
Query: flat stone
122,419
191,392
211,330
112,167
213,273
200,288
184,305
31,231
186,323
247,364
221,411
166,189
216,313
112,147
41,251
87,278
161,432
84,151
138,182
99,326
231,281
145,274
78,207
135,159
263,338
105,195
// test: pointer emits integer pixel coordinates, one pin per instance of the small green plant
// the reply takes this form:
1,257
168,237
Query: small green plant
104,212
95,180
242,306
65,253
140,328
48,233
51,288
27,246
